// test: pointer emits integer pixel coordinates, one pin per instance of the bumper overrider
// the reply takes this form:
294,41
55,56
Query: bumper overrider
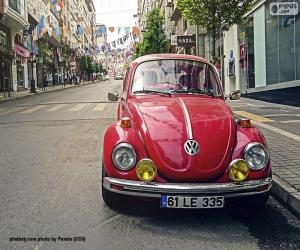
155,189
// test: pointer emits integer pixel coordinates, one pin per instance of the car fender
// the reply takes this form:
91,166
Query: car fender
114,135
244,137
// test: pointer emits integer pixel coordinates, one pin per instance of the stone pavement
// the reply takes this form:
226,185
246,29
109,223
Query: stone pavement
280,124
26,93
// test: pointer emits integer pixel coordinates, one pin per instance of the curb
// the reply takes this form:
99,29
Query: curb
288,195
44,92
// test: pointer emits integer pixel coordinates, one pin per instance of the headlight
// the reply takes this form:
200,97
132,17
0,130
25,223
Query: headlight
146,170
256,155
124,156
238,170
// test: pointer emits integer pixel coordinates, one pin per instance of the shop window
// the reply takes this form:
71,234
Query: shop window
282,45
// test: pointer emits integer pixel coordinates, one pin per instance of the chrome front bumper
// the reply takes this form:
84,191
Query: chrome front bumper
155,190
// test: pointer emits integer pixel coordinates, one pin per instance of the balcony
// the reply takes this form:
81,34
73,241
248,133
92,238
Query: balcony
16,16
18,6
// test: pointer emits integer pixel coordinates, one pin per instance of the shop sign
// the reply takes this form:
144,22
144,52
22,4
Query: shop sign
186,41
284,9
173,40
21,51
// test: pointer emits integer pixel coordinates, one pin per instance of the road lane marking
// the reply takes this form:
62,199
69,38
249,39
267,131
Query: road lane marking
56,108
279,131
281,115
78,107
253,105
290,121
253,117
11,110
237,106
32,109
100,107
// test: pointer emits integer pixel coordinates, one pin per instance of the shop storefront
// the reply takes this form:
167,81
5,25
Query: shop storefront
266,53
6,56
21,63
282,20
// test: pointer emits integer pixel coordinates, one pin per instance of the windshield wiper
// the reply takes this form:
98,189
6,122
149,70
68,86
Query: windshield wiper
193,91
148,91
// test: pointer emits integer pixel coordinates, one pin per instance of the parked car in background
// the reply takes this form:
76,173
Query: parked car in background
177,141
119,76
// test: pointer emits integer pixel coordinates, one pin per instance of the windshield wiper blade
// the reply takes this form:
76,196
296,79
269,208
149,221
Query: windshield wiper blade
193,91
148,91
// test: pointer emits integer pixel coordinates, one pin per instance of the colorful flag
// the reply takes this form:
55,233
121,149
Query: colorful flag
127,30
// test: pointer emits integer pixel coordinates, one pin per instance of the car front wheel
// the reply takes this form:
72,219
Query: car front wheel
111,199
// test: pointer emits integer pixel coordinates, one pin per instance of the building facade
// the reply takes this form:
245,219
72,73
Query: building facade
175,27
13,56
42,39
263,53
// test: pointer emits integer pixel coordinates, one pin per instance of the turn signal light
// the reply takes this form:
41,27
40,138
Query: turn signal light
244,123
125,122
238,170
146,170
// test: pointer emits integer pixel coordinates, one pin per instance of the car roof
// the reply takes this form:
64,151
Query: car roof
154,57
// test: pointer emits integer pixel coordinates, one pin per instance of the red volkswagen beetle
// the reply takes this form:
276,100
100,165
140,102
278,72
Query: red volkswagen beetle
177,140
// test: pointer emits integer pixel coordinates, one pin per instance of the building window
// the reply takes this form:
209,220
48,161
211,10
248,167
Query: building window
282,45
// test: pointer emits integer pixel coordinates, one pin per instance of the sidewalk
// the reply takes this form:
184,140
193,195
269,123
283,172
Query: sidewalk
14,95
280,124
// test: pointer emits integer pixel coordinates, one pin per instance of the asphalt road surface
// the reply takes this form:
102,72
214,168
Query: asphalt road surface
50,162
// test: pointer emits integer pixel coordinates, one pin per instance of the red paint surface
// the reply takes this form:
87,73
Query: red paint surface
159,133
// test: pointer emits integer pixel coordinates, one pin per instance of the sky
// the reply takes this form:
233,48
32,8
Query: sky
116,13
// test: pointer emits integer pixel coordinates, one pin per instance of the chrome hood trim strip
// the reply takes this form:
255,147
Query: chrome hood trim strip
187,119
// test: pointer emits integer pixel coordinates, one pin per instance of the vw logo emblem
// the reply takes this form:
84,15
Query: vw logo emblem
192,147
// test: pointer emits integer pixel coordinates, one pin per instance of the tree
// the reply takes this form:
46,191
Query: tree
155,40
216,16
65,51
83,64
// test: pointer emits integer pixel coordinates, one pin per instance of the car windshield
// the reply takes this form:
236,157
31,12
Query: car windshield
175,76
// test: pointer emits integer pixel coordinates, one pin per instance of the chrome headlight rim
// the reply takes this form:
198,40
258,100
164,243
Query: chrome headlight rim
253,144
128,146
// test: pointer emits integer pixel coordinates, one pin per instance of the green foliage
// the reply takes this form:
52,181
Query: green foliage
43,51
65,52
155,40
216,16
83,64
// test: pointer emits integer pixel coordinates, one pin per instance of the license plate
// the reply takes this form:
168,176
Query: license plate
168,201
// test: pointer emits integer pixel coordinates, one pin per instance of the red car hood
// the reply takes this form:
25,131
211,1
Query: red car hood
163,124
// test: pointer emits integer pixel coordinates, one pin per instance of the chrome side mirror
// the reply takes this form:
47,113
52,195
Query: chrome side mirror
113,97
235,95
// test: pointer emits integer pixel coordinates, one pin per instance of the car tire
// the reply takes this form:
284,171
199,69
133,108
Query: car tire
111,199
251,204
257,202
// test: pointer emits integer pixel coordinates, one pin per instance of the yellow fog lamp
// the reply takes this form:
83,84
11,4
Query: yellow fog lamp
238,170
146,170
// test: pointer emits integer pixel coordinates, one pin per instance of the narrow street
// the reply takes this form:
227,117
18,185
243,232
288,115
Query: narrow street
50,162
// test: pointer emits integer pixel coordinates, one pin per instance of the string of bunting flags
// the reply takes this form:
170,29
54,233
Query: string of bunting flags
131,34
